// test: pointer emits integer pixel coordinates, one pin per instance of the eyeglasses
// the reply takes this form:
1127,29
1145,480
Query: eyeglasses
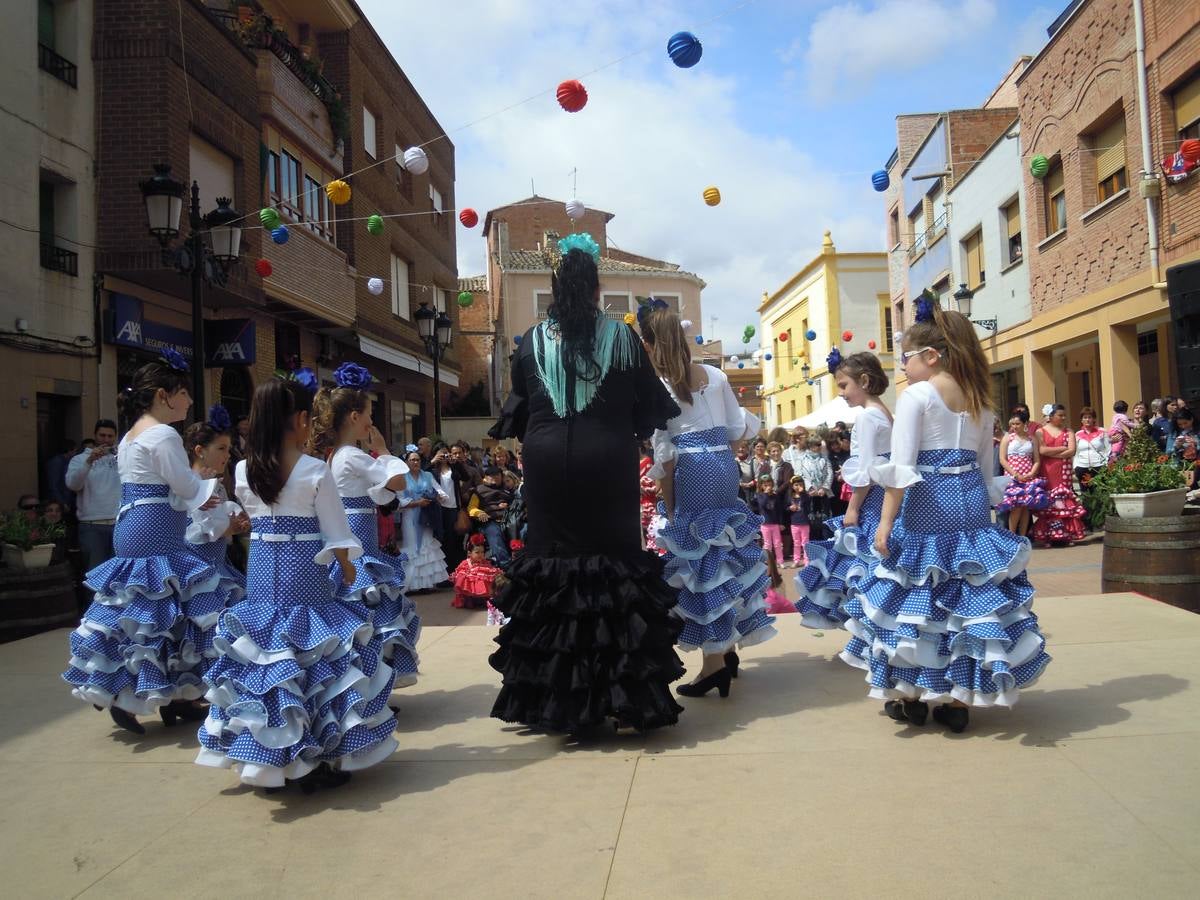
25,507
906,355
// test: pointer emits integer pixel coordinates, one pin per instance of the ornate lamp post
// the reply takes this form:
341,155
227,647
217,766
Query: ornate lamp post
212,246
962,298
434,328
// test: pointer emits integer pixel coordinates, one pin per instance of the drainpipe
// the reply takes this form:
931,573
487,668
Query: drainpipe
1150,194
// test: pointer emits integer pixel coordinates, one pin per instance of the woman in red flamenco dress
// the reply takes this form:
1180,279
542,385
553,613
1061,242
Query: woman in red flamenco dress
1062,521
648,500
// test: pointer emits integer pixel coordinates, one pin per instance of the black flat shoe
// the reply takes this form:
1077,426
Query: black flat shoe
912,711
169,714
192,712
719,679
953,717
732,662
126,720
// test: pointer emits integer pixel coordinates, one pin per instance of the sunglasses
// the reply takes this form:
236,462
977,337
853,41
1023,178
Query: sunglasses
906,355
27,508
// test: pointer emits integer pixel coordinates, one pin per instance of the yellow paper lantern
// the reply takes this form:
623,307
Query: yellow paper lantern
630,319
338,191
712,196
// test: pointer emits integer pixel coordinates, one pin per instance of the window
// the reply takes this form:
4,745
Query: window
318,209
1011,222
673,301
1186,100
791,410
435,199
289,184
1055,191
1109,146
916,230
894,228
888,337
48,59
212,169
52,208
287,346
400,303
439,299
369,145
46,24
935,223
542,301
272,175
404,177
1147,342
972,249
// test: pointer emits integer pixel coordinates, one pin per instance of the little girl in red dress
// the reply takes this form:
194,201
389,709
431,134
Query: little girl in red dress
475,578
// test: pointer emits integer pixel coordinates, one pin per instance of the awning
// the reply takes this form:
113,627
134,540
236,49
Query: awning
836,410
405,360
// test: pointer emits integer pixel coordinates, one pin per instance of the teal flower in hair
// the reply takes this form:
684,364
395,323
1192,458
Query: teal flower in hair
579,241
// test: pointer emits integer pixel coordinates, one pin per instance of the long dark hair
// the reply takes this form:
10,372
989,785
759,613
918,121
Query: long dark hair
275,402
574,312
148,381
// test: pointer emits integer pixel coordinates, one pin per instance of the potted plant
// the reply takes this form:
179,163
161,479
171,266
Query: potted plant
29,544
1142,483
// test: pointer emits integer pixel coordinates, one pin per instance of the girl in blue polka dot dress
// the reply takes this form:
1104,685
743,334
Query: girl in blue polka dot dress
299,690
946,614
342,419
140,646
712,555
839,564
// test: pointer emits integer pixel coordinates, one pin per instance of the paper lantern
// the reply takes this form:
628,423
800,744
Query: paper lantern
685,324
375,286
684,49
870,345
469,218
783,337
880,181
1039,166
575,210
733,359
338,191
810,335
712,196
572,96
416,161
1190,151
263,268
269,217
465,299
375,223
517,339
280,235
767,357
847,335
699,339
741,365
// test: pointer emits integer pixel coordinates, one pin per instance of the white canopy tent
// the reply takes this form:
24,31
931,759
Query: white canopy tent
836,410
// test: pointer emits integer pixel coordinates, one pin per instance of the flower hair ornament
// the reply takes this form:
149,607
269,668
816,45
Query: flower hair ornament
1047,410
924,307
411,448
351,375
306,377
219,418
647,306
173,359
477,540
834,359
579,241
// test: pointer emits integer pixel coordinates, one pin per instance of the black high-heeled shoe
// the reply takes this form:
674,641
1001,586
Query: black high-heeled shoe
719,679
126,720
953,717
732,662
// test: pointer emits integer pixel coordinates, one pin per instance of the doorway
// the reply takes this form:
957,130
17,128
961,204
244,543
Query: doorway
57,422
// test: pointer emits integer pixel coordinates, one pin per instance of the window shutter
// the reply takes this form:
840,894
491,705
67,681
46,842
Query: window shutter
1054,181
974,248
1110,152
1012,214
1187,104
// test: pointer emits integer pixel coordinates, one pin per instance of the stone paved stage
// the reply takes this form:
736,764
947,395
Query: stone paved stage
795,786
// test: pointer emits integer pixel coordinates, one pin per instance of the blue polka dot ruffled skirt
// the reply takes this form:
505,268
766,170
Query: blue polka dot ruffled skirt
300,677
146,639
380,586
948,614
712,552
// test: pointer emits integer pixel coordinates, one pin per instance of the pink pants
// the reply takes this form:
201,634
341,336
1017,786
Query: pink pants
799,542
773,540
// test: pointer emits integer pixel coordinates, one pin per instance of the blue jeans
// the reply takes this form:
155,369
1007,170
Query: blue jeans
496,545
95,544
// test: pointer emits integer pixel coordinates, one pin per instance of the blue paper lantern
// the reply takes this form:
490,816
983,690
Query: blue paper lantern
767,356
811,335
517,339
880,181
741,365
699,339
684,49
280,235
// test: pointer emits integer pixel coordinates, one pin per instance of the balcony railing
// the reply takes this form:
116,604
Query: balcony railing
927,237
62,69
59,259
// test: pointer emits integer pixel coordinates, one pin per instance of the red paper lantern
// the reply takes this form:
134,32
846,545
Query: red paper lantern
783,336
870,345
1190,150
572,96
847,335
263,268
469,217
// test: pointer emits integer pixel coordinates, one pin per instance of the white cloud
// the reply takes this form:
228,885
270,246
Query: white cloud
651,138
849,46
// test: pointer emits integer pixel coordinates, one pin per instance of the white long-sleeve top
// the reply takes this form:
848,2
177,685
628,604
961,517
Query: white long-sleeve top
712,406
870,438
156,456
924,422
97,486
208,525
310,492
357,474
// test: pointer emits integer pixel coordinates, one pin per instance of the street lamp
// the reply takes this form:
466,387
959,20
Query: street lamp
434,328
962,298
213,245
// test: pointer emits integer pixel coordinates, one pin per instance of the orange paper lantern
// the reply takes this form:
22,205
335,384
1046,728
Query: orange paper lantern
572,96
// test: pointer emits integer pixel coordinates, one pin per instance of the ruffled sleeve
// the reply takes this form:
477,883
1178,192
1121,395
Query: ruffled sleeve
983,456
901,470
664,452
740,423
189,491
335,528
653,406
868,451
377,472
208,525
514,415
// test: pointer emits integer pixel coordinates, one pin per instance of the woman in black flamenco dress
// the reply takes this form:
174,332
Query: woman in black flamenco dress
590,636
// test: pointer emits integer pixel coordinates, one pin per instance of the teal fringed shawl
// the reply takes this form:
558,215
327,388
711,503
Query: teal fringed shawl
615,347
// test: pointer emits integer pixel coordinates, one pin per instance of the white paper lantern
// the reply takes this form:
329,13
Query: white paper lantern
375,286
575,210
686,324
416,161
733,359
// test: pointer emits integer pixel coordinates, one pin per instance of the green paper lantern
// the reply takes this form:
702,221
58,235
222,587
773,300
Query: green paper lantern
269,217
465,299
1039,166
375,224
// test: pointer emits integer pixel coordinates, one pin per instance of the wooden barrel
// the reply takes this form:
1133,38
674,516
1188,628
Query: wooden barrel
1158,557
36,600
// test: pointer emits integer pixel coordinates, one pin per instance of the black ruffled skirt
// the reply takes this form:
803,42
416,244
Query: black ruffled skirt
590,638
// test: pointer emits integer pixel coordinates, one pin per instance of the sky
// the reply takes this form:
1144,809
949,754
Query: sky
790,110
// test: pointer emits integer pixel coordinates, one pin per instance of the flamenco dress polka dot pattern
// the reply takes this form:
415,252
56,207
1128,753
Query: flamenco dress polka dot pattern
206,535
1061,520
141,642
300,678
1023,494
837,565
948,614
